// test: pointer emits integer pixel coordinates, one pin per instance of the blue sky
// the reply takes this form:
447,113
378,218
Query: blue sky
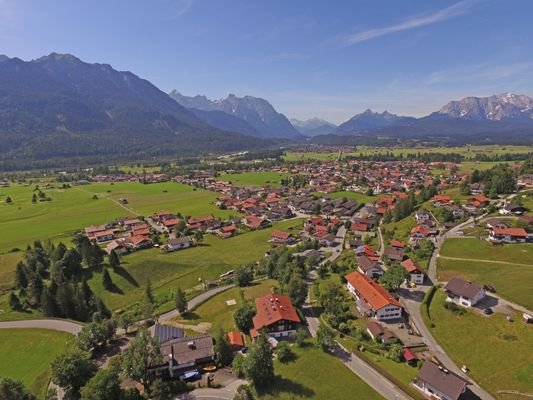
329,59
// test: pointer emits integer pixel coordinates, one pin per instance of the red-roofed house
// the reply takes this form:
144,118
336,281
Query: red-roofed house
253,222
276,316
508,235
372,299
139,242
236,340
414,269
280,237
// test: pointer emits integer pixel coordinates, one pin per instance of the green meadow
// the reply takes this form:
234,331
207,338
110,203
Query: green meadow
185,268
26,354
496,352
73,209
251,179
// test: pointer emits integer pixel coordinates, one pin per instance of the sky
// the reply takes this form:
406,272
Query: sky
309,58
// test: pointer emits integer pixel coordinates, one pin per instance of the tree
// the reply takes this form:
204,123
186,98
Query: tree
142,352
243,276
296,289
181,301
72,370
300,337
259,364
14,302
107,283
21,276
114,260
105,385
93,336
243,393
11,389
148,306
243,317
324,338
284,352
395,353
160,390
126,320
394,277
34,198
9,200
223,352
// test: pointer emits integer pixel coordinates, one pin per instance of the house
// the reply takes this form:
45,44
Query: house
326,239
408,355
478,201
476,188
394,254
183,355
397,244
370,268
508,235
227,231
437,382
179,243
254,222
118,246
235,340
280,237
496,223
139,242
102,236
130,223
440,200
374,329
512,209
276,316
463,293
422,216
93,229
372,299
414,269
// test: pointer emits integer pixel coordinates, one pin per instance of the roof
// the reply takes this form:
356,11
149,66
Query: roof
135,240
179,240
188,350
235,338
373,293
443,380
394,253
520,232
462,288
397,243
272,308
374,328
164,333
408,355
280,235
411,266
365,263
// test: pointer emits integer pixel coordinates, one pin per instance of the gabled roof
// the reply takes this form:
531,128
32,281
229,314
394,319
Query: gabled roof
443,380
235,338
373,293
164,333
272,308
518,232
460,287
280,235
411,266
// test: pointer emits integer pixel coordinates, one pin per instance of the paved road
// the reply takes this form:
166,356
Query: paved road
415,315
381,243
54,324
368,374
337,250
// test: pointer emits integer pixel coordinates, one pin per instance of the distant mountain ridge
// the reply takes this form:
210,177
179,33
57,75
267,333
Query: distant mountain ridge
257,112
313,126
60,106
369,119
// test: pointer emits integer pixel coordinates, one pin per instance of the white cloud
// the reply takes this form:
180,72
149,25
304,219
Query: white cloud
454,10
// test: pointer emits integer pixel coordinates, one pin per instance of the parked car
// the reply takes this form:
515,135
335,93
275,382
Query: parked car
488,311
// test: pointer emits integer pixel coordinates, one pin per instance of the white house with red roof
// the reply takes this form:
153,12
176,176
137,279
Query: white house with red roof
372,299
276,316
415,270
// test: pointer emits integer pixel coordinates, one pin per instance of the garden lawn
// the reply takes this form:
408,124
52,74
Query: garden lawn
316,375
497,352
216,312
360,198
26,354
184,268
476,249
513,282
255,178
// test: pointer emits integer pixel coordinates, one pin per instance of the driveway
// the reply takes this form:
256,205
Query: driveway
225,393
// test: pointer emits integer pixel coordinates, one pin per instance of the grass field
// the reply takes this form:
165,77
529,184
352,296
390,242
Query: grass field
360,198
26,354
184,268
73,209
218,314
497,352
480,249
316,375
250,179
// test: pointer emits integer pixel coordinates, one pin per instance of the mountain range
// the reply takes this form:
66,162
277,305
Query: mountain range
60,106
260,117
313,126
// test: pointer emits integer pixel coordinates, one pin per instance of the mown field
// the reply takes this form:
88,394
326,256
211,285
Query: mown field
250,179
511,281
26,354
316,375
73,209
185,268
466,151
360,198
496,352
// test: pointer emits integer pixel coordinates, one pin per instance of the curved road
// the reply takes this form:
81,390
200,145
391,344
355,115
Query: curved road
55,324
